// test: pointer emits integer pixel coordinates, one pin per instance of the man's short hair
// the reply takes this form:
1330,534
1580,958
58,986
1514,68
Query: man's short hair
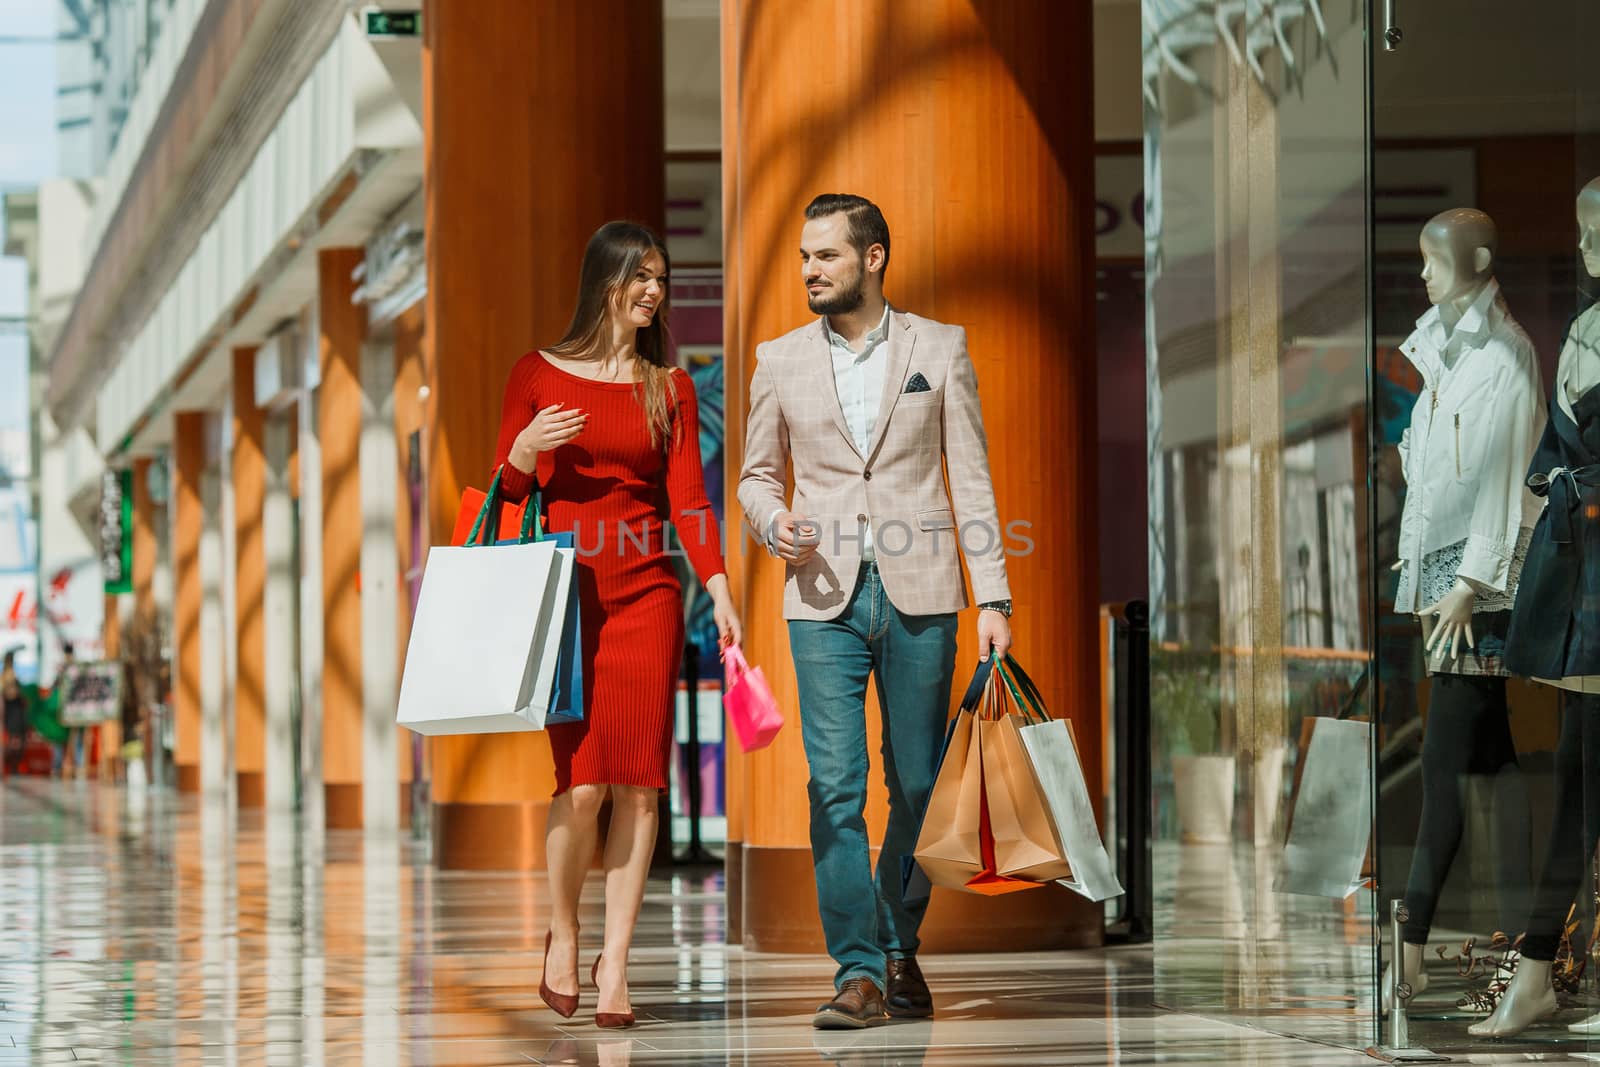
865,222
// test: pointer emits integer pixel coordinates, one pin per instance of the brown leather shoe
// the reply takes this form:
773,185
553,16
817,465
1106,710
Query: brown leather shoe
907,996
858,1006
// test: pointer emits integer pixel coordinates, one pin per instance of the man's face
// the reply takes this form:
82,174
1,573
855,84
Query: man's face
1446,279
831,268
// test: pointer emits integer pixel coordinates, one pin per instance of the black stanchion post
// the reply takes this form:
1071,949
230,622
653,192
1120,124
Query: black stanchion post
1136,683
696,852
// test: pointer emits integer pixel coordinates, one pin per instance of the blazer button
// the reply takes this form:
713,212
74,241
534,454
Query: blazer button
867,475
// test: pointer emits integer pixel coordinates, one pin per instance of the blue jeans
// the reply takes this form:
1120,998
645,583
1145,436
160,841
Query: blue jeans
912,659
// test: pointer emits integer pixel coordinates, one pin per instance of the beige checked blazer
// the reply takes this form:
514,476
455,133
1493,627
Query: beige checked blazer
796,420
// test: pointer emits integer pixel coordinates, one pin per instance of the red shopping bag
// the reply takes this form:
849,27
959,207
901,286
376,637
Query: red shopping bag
987,881
467,514
751,707
956,845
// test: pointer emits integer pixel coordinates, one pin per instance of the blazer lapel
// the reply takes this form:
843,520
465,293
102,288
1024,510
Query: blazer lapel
820,356
902,338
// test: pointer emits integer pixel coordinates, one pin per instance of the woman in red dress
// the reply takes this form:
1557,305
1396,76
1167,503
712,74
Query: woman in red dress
609,433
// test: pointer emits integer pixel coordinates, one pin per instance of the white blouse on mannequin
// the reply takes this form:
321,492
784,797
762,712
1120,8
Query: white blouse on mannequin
1465,454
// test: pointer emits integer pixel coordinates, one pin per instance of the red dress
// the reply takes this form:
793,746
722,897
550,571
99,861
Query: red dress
615,493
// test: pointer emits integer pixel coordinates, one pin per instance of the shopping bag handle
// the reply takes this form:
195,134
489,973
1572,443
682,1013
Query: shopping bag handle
733,656
980,682
1024,690
488,520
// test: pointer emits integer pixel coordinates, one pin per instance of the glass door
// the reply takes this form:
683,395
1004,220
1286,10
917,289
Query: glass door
1486,152
1258,315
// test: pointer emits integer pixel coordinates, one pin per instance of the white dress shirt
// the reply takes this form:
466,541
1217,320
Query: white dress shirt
858,377
1465,455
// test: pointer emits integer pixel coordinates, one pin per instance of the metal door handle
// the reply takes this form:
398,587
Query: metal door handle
1392,36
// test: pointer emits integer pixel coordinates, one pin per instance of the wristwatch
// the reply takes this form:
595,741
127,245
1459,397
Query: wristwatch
1002,606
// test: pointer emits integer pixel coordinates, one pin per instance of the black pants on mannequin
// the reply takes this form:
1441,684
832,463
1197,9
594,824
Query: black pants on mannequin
1468,737
1574,824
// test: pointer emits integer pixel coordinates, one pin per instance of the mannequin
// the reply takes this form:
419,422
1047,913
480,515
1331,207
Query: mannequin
1555,638
1464,533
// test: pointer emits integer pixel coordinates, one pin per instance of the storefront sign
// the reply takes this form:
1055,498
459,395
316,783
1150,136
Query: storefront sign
116,530
91,693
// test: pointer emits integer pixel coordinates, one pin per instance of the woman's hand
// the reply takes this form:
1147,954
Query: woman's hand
1453,619
729,629
548,430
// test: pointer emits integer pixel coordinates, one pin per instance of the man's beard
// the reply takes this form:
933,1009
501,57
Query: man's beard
840,300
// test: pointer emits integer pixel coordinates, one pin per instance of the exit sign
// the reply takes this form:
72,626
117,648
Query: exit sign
388,22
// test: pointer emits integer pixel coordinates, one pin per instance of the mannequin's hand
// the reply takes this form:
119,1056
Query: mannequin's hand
1453,619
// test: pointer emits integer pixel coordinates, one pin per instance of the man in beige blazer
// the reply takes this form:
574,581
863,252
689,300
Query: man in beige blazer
872,409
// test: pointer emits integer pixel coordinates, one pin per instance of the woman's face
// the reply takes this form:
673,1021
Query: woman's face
642,295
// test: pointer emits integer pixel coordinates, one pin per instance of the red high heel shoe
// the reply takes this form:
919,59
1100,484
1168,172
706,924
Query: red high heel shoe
563,1004
608,1020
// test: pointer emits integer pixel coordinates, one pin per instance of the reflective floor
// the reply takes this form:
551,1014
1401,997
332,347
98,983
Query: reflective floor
148,933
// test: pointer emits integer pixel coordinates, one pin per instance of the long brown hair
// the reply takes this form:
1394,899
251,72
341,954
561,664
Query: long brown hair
609,263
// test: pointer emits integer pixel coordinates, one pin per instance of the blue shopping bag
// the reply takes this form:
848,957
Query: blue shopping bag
566,693
566,696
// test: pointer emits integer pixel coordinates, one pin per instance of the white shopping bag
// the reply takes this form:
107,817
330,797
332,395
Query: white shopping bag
1059,775
481,659
1331,830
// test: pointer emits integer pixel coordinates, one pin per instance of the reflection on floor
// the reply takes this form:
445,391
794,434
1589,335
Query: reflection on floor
149,933
1231,946
1436,1023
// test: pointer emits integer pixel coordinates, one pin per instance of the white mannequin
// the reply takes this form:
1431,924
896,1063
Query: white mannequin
1529,997
1457,262
1457,248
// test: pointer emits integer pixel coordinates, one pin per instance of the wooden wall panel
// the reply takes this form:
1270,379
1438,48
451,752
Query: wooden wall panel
249,465
969,122
532,142
343,326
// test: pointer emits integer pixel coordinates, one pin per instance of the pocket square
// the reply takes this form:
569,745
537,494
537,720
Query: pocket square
918,384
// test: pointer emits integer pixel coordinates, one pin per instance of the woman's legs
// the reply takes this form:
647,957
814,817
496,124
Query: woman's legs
630,842
569,846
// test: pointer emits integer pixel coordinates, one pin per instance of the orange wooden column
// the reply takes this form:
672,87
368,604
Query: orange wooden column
970,123
344,329
532,141
249,462
189,464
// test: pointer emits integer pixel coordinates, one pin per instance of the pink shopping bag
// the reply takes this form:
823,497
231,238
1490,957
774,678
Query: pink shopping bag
751,706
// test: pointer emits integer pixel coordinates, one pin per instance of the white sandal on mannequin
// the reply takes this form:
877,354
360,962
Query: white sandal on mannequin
1416,974
1528,999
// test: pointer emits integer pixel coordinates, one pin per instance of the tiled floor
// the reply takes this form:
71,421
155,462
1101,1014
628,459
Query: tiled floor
149,934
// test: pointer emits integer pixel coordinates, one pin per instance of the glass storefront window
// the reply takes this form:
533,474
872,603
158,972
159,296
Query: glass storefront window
1257,326
1365,301
1481,806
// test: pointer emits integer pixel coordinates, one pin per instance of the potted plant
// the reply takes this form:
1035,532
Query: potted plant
1186,713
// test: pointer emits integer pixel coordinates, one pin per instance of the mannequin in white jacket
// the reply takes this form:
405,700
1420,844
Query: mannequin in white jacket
1464,534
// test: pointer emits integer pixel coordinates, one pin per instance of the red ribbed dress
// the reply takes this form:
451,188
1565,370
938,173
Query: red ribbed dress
616,494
